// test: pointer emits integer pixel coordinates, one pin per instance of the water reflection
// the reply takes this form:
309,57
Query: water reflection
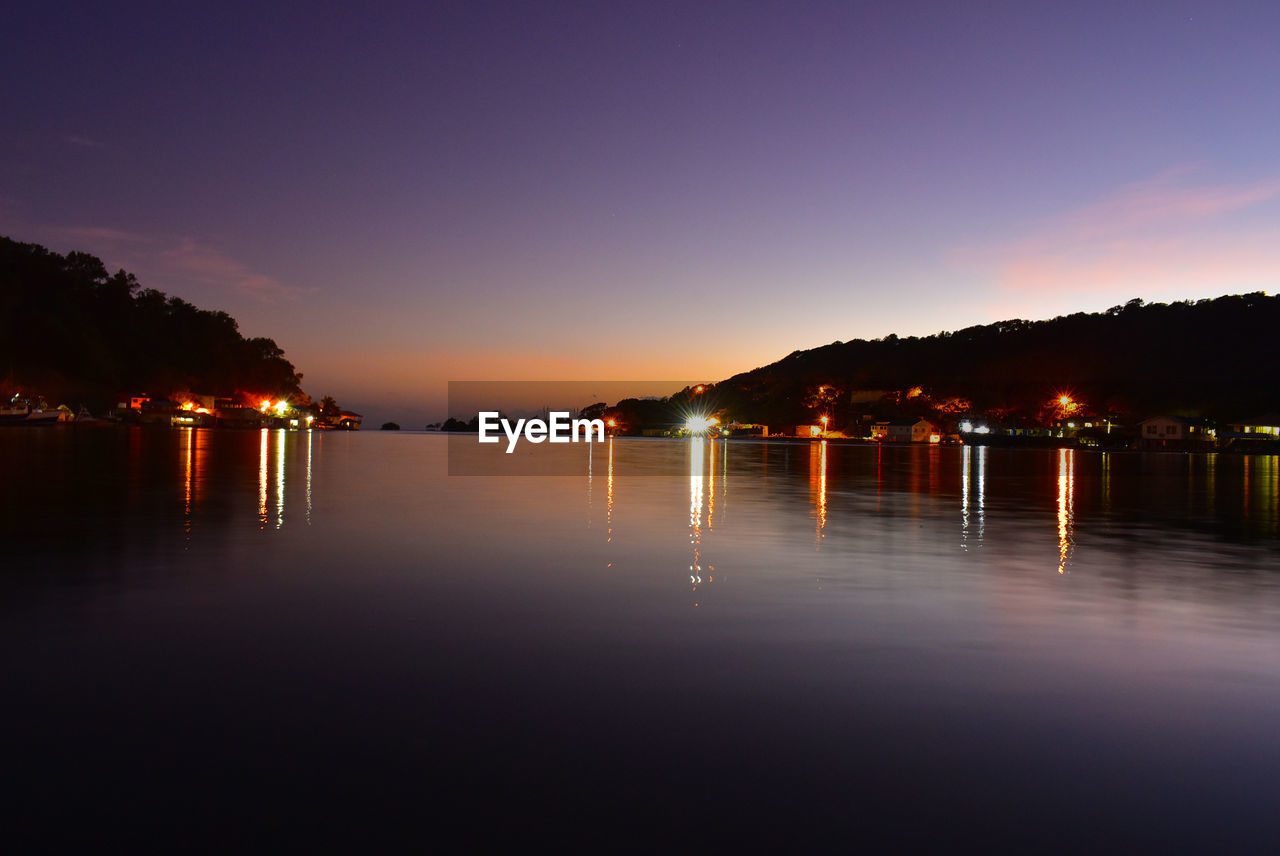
973,488
818,487
1066,505
1105,479
1208,492
277,465
608,511
188,487
310,434
262,479
697,461
280,436
193,461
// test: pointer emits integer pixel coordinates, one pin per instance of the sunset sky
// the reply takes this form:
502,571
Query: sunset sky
424,192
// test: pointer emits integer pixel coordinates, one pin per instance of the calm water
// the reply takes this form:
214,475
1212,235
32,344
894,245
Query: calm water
223,638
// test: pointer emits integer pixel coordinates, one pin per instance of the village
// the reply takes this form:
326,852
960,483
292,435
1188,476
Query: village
208,411
188,410
1062,420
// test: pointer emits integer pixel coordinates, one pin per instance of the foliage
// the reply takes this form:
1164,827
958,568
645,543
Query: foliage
1210,357
77,333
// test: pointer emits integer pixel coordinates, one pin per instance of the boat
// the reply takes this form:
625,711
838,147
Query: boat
19,411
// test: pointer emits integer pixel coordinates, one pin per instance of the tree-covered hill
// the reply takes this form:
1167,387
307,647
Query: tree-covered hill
71,331
1215,358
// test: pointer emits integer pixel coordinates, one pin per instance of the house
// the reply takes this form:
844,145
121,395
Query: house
749,428
810,430
1260,427
129,401
1176,433
1260,434
907,431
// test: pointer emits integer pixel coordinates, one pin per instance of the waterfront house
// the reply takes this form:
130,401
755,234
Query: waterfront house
1260,427
1176,433
752,429
1260,434
909,431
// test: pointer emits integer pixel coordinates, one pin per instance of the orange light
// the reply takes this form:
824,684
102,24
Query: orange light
699,388
612,423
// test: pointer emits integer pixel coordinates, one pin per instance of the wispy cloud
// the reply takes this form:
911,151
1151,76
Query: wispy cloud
85,142
212,266
1149,239
161,261
97,235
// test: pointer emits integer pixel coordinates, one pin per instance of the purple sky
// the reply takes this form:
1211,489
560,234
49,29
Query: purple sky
432,191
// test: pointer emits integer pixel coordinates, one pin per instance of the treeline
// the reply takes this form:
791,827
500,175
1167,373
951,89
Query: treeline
78,334
1213,358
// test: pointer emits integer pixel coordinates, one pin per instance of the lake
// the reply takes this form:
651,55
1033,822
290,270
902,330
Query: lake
213,640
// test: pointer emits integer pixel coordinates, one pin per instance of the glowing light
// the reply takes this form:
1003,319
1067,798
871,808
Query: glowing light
264,405
699,389
698,424
612,423
281,407
966,427
824,420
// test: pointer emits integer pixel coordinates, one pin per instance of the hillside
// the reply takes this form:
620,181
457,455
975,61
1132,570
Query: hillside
74,333
1215,358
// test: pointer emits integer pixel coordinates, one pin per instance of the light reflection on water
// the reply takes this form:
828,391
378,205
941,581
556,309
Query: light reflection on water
972,627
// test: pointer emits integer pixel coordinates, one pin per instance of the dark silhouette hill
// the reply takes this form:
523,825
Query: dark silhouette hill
1215,358
74,333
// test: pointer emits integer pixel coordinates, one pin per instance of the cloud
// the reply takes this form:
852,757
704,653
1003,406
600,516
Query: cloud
85,142
97,235
211,266
164,262
1154,238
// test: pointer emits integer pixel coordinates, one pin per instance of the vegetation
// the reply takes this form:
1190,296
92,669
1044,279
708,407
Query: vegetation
78,334
1204,358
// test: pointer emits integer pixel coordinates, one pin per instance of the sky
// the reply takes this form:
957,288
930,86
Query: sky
412,193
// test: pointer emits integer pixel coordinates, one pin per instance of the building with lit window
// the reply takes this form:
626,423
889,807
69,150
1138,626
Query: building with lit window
1177,434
